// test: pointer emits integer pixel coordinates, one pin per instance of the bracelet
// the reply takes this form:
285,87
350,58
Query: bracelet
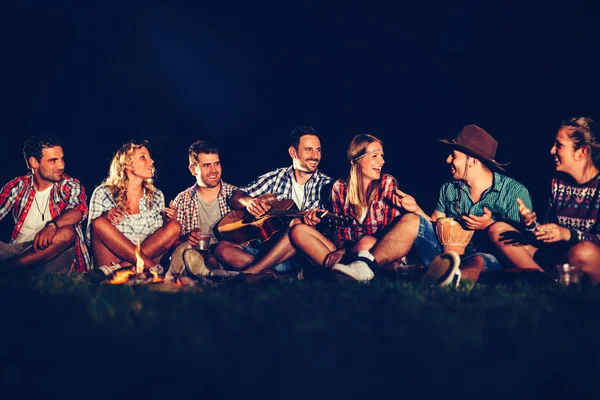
52,222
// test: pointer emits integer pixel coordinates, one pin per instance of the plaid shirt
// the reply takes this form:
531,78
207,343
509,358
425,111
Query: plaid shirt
135,227
279,182
187,206
380,213
17,196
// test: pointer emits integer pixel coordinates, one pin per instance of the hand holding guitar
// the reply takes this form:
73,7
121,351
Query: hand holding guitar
313,217
257,207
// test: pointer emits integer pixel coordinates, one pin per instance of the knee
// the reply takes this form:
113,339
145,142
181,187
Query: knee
295,222
411,219
172,229
299,231
99,223
66,234
366,242
584,253
221,249
497,229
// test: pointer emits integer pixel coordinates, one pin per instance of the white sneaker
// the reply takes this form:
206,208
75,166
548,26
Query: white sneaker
157,269
443,270
109,270
358,270
223,273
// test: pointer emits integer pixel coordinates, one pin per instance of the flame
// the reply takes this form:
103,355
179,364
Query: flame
139,264
121,276
155,277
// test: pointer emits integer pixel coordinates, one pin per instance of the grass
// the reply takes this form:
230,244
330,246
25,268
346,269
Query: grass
66,337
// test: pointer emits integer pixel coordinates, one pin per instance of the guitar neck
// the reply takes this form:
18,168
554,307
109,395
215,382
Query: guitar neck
295,213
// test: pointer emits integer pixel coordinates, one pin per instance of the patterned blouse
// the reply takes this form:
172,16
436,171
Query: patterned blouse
135,227
576,207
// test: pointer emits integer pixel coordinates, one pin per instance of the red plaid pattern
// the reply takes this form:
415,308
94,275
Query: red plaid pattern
379,214
17,196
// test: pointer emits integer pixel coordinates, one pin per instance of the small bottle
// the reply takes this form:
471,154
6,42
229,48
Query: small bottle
532,227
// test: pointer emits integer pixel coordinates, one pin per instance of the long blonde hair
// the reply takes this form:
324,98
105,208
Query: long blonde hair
356,150
117,179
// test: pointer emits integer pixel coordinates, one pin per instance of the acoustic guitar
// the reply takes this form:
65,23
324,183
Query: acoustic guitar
240,227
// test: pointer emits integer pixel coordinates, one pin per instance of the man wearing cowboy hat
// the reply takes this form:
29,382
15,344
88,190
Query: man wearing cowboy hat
477,196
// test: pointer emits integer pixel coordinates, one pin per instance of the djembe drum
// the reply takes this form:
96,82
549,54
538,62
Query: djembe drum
452,235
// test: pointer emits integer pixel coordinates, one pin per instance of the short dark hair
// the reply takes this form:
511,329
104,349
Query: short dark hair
35,144
201,146
300,131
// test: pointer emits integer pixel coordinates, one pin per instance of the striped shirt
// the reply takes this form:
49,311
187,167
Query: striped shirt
381,211
576,207
135,227
187,206
500,199
17,196
279,183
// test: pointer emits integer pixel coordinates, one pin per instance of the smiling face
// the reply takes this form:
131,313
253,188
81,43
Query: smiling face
308,155
207,170
566,158
51,166
142,165
371,163
458,162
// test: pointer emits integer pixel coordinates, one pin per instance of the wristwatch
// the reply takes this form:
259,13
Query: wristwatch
52,222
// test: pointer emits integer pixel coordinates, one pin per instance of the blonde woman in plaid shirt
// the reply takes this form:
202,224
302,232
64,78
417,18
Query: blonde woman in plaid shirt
198,209
126,209
367,197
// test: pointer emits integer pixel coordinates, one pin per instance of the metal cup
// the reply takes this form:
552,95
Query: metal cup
568,274
203,245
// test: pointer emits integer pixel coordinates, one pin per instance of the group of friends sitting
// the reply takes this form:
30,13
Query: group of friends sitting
383,227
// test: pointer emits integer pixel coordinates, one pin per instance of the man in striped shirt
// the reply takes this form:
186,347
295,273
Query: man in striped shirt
301,182
48,207
477,196
198,209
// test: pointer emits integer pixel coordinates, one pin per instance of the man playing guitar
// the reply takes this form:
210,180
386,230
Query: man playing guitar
302,182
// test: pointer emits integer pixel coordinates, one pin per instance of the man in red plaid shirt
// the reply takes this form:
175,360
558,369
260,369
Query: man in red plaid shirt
48,207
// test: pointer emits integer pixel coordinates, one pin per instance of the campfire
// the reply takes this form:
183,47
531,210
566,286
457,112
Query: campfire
137,276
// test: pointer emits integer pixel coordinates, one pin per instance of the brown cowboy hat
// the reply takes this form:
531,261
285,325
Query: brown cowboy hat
478,143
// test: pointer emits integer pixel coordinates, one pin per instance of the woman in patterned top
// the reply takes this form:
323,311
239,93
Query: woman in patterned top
127,210
571,232
368,197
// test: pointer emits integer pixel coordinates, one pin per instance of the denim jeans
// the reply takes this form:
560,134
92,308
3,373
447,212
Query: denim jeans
428,246
283,267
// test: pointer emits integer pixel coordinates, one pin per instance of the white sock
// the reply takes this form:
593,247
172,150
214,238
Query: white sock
366,254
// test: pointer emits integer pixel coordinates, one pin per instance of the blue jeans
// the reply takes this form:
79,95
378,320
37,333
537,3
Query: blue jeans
283,267
428,246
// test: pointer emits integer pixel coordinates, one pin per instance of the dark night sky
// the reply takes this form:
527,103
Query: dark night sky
245,73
